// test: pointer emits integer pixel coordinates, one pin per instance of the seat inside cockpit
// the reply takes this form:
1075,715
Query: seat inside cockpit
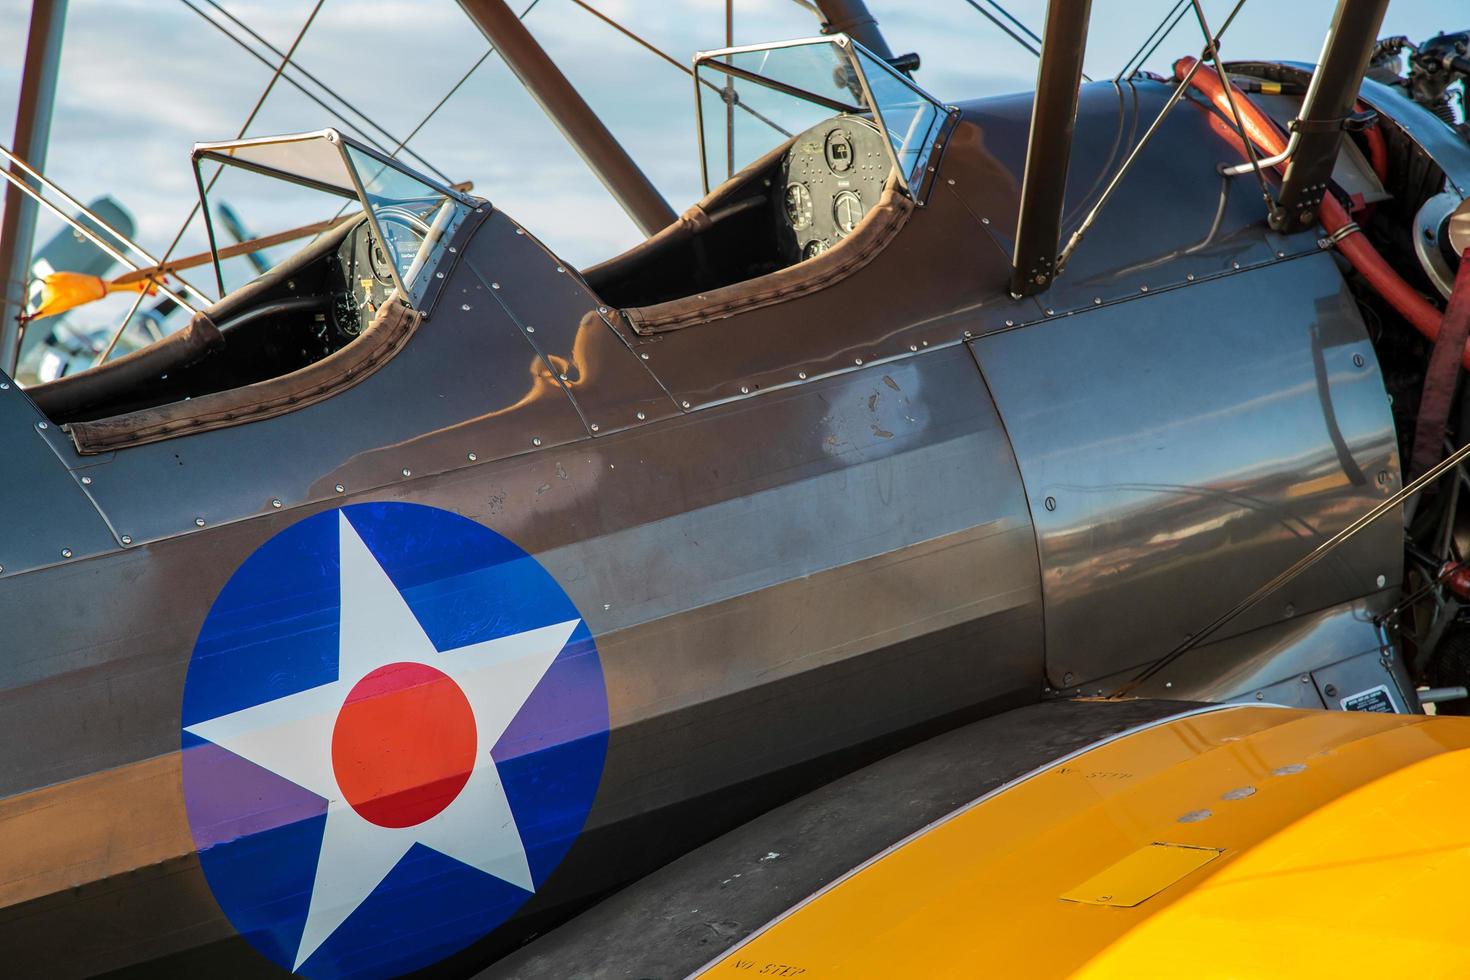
815,147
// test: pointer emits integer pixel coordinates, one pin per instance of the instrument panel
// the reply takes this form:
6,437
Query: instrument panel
832,176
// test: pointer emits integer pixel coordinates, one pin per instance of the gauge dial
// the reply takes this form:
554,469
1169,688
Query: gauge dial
847,211
839,152
814,248
798,205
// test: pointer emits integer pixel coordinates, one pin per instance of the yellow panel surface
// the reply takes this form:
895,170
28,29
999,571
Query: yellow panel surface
1344,849
1141,875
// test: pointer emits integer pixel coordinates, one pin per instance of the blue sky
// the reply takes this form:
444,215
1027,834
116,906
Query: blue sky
142,80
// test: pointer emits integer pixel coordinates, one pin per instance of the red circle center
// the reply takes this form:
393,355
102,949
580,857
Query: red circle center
404,744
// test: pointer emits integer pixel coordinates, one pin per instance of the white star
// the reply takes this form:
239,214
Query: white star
292,737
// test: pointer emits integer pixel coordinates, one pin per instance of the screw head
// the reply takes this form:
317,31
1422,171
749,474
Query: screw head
1189,277
562,376
858,361
561,268
745,389
1358,360
1067,679
1330,690
471,457
4,385
276,502
644,355
1381,580
801,375
495,285
535,440
684,404
1235,265
66,552
1010,323
465,307
198,522
530,329
127,539
602,309
86,481
407,471
340,488
641,416
438,275
42,425
594,427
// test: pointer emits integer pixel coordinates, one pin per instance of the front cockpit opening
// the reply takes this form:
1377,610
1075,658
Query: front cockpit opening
813,147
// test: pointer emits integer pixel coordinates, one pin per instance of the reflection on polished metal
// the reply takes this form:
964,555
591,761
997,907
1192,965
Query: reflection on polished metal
576,120
1034,261
32,135
1302,564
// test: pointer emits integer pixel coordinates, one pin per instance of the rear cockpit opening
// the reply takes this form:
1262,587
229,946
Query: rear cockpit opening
381,233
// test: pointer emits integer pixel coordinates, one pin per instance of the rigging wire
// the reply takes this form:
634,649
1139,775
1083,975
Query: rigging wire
1011,33
649,45
1136,61
347,125
328,89
250,118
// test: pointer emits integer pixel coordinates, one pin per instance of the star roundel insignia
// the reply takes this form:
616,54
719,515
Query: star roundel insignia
394,725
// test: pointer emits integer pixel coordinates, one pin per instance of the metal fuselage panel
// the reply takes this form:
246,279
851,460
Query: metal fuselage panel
1179,450
797,534
769,582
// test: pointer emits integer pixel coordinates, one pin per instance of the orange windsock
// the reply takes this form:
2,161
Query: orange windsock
62,291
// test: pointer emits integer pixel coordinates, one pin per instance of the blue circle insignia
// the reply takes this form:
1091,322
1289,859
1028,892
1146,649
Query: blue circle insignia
394,725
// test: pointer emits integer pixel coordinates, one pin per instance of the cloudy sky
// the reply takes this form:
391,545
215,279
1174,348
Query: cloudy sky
142,80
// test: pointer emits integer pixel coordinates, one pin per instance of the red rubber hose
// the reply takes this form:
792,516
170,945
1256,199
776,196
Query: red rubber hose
1354,246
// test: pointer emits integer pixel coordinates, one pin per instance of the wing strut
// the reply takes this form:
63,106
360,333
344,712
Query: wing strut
32,134
576,120
1053,116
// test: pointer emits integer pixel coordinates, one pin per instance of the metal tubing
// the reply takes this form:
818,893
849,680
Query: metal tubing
571,114
90,235
32,135
1329,100
851,17
1049,147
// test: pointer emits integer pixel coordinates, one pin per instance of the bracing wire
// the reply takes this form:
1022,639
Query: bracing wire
1012,33
250,118
328,90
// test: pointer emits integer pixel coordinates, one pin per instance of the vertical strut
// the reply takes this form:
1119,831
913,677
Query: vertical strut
571,114
1329,100
32,135
1049,148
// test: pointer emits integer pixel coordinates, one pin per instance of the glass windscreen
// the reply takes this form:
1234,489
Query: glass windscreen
911,118
415,219
317,177
751,100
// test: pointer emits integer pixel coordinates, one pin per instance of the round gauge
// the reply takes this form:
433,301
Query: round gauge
814,248
798,205
847,211
839,152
